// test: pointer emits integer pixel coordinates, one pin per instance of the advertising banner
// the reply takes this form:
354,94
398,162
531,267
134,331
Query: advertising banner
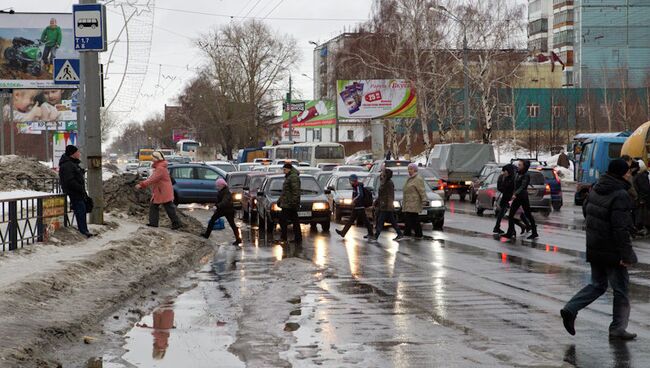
318,113
29,43
376,99
35,110
181,134
59,141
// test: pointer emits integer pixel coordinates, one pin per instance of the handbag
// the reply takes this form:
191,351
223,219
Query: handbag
220,224
89,204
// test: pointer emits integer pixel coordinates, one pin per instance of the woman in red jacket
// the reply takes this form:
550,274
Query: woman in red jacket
162,192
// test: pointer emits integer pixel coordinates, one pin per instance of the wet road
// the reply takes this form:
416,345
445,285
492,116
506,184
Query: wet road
464,299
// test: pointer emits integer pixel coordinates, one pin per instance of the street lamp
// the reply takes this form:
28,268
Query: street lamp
441,9
313,43
306,76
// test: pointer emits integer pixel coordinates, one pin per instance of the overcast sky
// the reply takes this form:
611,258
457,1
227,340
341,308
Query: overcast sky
174,31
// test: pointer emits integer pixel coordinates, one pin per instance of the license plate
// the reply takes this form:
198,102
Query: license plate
304,214
532,191
423,213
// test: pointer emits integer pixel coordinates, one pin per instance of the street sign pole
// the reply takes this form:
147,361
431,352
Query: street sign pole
90,132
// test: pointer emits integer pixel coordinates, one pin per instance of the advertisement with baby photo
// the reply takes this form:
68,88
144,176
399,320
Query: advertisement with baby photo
36,110
29,43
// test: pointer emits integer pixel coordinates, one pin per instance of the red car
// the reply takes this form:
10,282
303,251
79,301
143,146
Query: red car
252,183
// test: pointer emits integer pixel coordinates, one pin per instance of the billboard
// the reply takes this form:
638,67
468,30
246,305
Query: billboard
181,134
59,141
29,42
317,113
35,110
376,99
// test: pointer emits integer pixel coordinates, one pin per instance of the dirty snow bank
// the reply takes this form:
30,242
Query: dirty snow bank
51,296
18,173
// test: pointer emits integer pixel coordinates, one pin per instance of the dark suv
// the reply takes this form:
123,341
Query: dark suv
195,183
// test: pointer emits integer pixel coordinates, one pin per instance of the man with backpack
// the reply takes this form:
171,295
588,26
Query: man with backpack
362,198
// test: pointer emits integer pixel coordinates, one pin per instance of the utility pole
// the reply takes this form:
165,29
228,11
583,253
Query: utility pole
290,109
90,131
466,83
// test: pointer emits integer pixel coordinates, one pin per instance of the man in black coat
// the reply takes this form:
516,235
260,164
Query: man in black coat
522,181
609,250
506,186
225,208
71,176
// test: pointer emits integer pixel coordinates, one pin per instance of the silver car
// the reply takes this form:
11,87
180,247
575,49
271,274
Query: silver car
539,194
144,169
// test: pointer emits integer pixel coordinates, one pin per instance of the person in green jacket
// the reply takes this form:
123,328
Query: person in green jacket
51,38
289,202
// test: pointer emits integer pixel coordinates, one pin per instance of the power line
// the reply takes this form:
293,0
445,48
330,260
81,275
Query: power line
270,18
272,10
244,7
251,9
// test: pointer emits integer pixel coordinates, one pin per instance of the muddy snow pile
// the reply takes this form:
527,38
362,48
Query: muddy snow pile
112,168
121,197
22,173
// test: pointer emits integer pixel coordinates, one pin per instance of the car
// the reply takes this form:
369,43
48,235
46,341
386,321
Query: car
487,169
236,181
248,166
262,161
340,197
379,164
308,170
252,183
350,168
144,169
282,161
553,180
273,169
174,159
360,159
323,177
327,166
314,208
223,165
433,212
195,183
539,194
132,166
429,178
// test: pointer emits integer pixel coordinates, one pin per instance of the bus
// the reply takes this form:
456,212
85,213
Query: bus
145,154
280,151
316,153
187,148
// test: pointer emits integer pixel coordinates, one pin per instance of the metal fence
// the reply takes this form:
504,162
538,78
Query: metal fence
28,220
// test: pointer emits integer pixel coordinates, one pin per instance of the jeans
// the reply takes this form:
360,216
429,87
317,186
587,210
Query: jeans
358,214
171,213
79,209
412,222
525,205
382,218
290,215
230,217
49,54
619,280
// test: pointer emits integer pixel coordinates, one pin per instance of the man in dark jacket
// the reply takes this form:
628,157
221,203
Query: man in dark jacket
609,250
225,208
71,176
522,181
359,211
385,204
506,186
289,202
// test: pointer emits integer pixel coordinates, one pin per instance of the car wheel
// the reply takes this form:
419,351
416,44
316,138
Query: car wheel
557,206
438,224
325,226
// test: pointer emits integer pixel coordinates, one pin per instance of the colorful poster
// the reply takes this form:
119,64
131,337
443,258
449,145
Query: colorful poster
35,110
29,42
318,113
376,99
53,212
59,141
181,134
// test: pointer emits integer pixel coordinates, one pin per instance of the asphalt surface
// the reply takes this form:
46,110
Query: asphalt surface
464,299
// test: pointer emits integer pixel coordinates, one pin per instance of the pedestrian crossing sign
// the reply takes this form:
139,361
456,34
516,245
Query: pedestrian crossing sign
66,71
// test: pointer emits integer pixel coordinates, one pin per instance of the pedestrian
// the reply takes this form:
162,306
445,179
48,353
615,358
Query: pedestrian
289,202
522,181
162,192
642,187
73,184
563,159
414,196
359,197
225,208
505,186
609,250
385,207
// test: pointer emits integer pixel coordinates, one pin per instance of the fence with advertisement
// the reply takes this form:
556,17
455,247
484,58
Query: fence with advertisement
376,99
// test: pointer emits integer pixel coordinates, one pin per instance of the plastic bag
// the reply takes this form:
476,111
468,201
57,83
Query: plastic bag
220,224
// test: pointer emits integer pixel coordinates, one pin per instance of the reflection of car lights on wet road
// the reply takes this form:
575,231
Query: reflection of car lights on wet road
278,252
275,208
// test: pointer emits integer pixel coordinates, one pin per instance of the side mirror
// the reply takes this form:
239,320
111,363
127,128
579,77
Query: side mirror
327,191
260,194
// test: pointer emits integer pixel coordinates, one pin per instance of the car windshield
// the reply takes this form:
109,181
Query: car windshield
322,179
350,168
256,182
343,184
548,174
225,167
536,178
399,181
237,181
308,185
145,164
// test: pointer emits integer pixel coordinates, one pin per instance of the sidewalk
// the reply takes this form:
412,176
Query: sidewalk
51,293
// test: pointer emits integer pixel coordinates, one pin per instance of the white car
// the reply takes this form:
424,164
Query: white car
132,166
223,165
144,169
350,168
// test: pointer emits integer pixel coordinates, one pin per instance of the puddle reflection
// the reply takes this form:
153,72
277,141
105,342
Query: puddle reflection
163,323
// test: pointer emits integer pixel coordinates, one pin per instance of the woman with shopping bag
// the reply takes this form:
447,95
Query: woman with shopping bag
225,209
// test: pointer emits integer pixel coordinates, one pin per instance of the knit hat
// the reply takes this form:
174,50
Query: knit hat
354,177
70,150
413,166
618,167
221,183
287,166
157,156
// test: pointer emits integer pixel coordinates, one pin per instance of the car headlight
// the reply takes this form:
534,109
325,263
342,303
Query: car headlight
275,208
469,182
254,200
346,201
396,204
437,203
320,206
237,196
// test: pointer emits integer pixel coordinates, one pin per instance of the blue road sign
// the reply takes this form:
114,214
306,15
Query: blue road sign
89,27
66,71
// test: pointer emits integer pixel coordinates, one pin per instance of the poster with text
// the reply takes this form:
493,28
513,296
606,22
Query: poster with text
318,113
376,99
29,42
35,110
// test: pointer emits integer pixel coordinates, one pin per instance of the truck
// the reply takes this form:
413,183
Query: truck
245,155
456,165
591,154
